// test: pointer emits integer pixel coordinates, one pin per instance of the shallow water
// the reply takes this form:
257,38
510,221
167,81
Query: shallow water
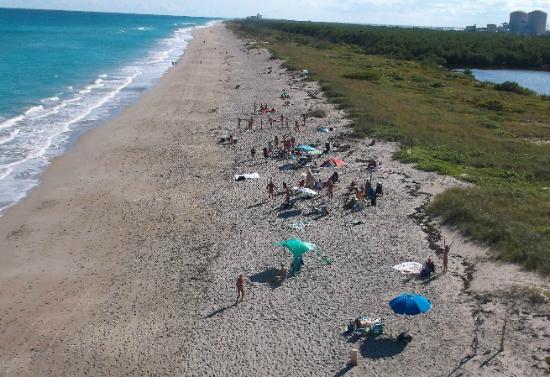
64,72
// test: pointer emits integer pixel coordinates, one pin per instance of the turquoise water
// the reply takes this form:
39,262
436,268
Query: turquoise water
538,81
64,72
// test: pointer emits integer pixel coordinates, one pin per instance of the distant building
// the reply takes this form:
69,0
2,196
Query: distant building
537,22
492,28
257,17
518,22
533,23
470,28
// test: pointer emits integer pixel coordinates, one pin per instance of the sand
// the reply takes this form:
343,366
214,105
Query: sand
124,260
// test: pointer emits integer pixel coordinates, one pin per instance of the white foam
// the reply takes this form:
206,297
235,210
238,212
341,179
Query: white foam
33,110
50,99
9,137
11,122
43,131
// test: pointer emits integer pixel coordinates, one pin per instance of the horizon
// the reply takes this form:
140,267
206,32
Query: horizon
417,13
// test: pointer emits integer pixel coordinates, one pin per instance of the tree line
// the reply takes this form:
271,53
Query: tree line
444,47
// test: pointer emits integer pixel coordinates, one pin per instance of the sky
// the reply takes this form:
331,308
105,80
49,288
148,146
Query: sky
451,13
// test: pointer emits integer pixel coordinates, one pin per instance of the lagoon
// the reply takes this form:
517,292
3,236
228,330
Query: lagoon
538,81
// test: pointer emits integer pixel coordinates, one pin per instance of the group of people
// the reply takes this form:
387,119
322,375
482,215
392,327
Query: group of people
268,111
365,192
428,269
285,147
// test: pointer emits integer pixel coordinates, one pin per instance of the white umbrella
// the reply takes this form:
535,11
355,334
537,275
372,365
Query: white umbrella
307,192
408,268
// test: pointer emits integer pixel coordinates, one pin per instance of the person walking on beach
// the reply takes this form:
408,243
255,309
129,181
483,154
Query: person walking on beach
266,153
271,189
240,289
296,126
330,189
239,122
253,154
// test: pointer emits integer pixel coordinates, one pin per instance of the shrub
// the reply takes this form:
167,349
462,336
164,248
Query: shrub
514,87
492,105
369,75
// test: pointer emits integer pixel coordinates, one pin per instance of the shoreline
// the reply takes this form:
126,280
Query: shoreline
127,263
106,108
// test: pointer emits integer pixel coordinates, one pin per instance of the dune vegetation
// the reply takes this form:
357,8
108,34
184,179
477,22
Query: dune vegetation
495,137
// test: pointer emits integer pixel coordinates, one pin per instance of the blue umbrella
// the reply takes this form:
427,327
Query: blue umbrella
410,304
305,148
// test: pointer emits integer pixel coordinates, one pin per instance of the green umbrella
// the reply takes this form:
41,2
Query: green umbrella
297,247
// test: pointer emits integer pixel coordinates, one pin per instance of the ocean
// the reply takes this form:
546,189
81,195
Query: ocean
65,72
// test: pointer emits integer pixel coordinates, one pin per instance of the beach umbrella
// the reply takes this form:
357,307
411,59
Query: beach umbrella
296,246
410,304
333,162
314,152
307,192
305,148
408,267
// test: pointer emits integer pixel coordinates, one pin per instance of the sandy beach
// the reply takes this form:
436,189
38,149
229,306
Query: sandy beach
124,260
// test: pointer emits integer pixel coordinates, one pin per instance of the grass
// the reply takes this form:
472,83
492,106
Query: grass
449,123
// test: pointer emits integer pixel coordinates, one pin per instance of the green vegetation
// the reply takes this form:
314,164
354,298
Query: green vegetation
446,122
510,86
450,48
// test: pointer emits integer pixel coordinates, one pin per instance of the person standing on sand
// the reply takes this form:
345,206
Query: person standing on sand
330,189
271,188
266,153
446,250
282,120
287,193
239,122
253,153
240,289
